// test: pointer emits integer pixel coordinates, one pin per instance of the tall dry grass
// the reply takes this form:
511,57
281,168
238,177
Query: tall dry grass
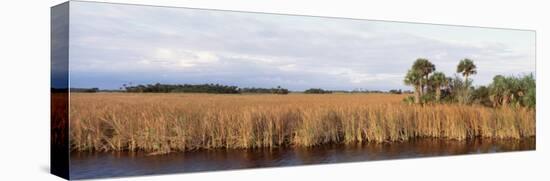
161,123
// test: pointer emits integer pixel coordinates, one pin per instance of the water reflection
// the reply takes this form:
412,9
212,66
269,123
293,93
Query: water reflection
96,165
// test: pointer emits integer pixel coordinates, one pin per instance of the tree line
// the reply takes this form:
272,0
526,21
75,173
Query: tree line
220,89
317,91
277,90
431,86
88,90
167,88
199,88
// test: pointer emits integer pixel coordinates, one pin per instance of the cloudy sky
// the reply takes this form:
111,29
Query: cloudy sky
114,44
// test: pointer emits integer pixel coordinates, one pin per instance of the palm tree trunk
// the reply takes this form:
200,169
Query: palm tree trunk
420,90
505,101
466,90
437,94
494,99
427,83
417,93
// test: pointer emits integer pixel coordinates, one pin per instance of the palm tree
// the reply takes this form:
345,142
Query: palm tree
414,78
467,68
513,87
519,91
424,67
498,89
438,79
528,92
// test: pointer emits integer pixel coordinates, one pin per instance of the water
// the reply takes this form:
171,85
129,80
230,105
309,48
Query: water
116,164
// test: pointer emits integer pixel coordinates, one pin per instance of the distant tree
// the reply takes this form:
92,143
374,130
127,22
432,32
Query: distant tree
87,90
396,91
459,90
278,90
499,90
199,88
414,78
528,83
519,91
466,67
481,95
317,91
424,67
438,79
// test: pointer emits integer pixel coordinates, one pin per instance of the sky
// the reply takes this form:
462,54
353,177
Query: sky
114,44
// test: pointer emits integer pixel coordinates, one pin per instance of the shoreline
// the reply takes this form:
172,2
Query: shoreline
411,140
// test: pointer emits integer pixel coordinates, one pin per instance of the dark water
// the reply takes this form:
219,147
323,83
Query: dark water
97,165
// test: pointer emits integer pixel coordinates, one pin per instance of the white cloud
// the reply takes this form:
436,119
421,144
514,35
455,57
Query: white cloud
288,67
178,58
357,77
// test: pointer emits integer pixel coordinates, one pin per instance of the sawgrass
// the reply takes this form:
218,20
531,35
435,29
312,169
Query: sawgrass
162,123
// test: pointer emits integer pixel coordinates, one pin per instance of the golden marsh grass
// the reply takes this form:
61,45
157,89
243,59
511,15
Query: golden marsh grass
161,123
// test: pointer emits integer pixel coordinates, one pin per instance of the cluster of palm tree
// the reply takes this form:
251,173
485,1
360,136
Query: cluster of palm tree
432,86
426,81
513,90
